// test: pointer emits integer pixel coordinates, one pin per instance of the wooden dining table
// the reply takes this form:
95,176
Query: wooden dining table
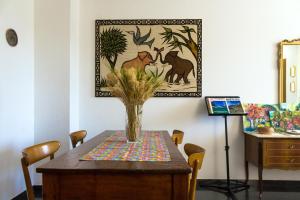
69,178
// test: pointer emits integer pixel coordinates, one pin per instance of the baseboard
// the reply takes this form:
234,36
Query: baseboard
268,185
37,192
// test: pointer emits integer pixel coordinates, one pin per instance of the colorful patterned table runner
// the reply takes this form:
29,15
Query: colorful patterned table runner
151,146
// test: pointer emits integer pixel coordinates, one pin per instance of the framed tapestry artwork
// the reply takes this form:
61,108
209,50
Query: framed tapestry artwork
168,48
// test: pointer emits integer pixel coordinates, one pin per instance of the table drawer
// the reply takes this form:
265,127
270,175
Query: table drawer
283,152
288,144
291,160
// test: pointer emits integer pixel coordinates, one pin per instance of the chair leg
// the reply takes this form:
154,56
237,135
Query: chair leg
192,189
30,193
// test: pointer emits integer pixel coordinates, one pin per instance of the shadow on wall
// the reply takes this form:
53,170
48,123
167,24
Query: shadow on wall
236,143
182,111
215,127
201,108
11,174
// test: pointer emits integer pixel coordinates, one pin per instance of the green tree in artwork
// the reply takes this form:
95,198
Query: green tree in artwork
112,43
182,39
297,107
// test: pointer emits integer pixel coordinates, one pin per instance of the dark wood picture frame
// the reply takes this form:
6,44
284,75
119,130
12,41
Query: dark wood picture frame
197,71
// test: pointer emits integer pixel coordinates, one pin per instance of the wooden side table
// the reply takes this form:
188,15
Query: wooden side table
274,151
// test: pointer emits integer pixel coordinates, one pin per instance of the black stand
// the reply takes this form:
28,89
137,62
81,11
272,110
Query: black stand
229,187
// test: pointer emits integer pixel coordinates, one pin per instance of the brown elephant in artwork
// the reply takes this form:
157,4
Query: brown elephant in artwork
143,59
180,67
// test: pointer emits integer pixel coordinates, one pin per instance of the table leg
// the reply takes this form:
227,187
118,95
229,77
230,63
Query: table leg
260,169
247,171
246,160
260,184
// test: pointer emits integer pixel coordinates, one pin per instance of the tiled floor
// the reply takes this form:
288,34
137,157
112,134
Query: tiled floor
251,194
244,195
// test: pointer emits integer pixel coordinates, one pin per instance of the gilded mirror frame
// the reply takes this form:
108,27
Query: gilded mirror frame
282,68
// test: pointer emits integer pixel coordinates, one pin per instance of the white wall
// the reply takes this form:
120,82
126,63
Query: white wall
52,61
74,65
52,68
16,94
239,58
35,79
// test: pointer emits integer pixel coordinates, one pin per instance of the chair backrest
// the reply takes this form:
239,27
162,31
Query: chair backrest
177,137
77,136
195,159
34,154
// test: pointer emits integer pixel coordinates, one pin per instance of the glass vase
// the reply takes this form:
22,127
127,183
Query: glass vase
133,122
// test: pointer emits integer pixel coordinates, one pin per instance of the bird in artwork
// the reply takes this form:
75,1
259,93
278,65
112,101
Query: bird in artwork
141,40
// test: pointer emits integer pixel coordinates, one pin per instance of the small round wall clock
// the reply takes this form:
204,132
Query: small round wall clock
11,37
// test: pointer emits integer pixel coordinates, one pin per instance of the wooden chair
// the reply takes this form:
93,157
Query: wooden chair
195,159
77,136
34,154
177,137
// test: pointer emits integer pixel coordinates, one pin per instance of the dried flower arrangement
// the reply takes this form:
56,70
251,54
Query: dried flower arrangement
133,87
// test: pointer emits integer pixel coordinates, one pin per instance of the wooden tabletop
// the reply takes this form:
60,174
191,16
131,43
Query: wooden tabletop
69,162
282,135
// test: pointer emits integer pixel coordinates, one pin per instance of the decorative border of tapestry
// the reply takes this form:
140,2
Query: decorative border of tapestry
170,49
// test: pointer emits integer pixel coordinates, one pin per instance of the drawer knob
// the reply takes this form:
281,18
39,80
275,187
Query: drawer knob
292,146
292,160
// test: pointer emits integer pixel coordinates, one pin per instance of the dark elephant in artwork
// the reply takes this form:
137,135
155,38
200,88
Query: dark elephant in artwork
181,67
